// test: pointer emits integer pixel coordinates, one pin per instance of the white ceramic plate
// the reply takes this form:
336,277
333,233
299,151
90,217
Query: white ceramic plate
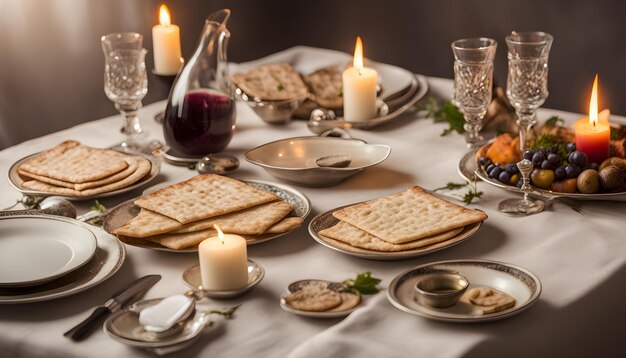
516,281
38,249
107,260
122,213
17,180
326,220
294,159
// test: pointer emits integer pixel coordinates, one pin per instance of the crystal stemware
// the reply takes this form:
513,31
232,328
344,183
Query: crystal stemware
527,83
524,206
473,81
126,81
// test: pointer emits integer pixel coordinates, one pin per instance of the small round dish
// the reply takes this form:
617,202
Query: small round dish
513,280
124,327
38,249
192,278
441,290
272,112
296,159
334,313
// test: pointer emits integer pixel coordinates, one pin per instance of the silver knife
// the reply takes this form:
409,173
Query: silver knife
132,292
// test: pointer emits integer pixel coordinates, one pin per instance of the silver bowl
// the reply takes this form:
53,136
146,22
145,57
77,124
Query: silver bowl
441,290
296,159
272,112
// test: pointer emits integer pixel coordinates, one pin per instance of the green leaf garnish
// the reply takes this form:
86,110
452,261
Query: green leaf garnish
445,112
555,121
452,186
364,283
98,207
614,134
226,312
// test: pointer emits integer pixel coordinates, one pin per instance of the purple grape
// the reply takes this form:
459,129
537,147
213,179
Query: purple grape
543,151
520,182
484,161
512,168
594,166
554,159
528,154
495,172
537,159
505,177
570,171
546,164
570,147
490,168
577,158
559,173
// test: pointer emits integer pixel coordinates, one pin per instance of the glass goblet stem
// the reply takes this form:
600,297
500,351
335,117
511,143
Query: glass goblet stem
525,121
473,125
132,127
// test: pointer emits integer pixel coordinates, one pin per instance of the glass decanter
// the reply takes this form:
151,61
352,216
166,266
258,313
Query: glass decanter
200,114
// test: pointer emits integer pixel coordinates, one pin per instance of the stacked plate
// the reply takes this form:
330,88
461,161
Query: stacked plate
46,257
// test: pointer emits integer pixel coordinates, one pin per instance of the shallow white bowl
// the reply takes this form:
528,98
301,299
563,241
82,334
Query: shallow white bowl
294,159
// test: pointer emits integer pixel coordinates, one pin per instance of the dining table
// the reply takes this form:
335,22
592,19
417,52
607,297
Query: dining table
579,256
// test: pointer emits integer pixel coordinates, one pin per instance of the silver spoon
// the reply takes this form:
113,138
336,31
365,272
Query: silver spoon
52,205
217,164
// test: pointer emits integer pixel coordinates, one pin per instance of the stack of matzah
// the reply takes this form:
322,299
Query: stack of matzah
412,219
74,169
182,215
275,82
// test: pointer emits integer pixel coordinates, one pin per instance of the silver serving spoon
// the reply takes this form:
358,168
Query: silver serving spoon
217,164
52,205
333,161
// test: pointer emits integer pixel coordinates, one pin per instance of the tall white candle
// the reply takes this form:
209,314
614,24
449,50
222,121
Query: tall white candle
166,45
359,88
223,262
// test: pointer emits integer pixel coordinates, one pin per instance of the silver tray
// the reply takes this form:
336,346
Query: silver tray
122,213
326,220
469,160
107,260
416,91
516,281
16,180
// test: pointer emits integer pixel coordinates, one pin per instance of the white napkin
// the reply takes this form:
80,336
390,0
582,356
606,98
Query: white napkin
165,314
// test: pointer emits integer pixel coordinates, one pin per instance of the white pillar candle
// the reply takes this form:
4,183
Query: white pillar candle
223,262
166,45
359,89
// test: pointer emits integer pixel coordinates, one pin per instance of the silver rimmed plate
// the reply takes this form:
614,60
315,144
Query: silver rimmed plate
326,220
38,249
192,278
334,313
124,327
122,213
17,180
513,280
106,261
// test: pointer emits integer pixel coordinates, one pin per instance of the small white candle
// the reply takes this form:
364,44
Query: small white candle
166,45
223,262
359,88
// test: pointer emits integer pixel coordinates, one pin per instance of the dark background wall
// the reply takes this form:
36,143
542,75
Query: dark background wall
51,63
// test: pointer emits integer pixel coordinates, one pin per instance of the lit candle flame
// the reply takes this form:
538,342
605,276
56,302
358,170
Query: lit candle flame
358,54
220,234
593,104
164,15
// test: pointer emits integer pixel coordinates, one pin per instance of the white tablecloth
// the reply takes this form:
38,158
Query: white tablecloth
579,259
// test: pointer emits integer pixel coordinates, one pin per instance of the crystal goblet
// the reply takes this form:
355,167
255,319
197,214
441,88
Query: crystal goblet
126,81
473,81
527,83
524,206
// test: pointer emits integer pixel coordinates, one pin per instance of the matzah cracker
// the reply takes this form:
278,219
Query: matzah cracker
143,168
358,250
182,241
72,162
287,224
147,223
325,86
408,216
204,196
273,82
358,238
132,167
253,221
315,298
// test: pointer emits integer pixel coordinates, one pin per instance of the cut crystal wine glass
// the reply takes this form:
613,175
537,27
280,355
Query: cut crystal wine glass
473,81
527,84
126,81
524,206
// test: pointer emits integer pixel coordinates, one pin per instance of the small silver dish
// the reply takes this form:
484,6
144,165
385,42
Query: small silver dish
333,313
272,112
441,290
192,278
296,159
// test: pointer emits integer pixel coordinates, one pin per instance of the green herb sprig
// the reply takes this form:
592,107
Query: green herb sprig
468,197
228,313
444,112
555,121
364,283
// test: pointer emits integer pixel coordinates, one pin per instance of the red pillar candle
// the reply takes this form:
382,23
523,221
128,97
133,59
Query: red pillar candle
593,134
